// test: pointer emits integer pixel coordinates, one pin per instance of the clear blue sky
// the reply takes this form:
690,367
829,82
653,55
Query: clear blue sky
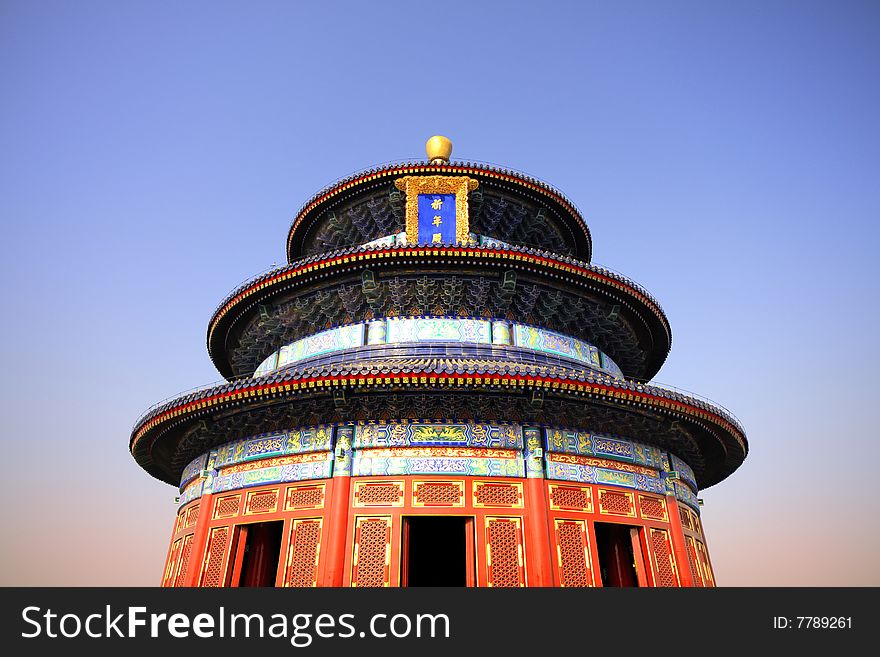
726,156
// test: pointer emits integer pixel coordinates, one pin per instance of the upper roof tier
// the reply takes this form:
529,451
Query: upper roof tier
506,205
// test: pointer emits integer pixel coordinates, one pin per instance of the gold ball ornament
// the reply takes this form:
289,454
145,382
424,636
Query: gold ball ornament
439,149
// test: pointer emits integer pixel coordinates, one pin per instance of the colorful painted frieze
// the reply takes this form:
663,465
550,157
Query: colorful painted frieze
565,470
273,475
297,441
556,343
684,494
501,463
190,493
685,472
587,444
506,436
192,470
429,329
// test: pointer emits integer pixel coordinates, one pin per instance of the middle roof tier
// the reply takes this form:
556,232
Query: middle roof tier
532,287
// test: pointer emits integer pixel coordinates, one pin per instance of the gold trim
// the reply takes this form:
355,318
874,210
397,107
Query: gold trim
580,509
513,484
217,515
520,548
608,512
291,543
417,503
292,489
252,494
389,527
585,538
654,498
360,485
458,185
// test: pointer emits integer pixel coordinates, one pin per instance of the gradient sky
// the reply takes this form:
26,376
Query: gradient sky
726,156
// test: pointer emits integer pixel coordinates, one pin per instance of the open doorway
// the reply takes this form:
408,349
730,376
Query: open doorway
256,551
438,551
620,555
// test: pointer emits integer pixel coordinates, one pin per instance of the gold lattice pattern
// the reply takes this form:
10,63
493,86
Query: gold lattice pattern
663,558
372,551
570,497
438,494
214,564
386,494
504,555
303,497
192,516
184,559
704,560
573,570
497,495
302,562
262,502
172,563
652,508
692,562
685,518
227,506
616,503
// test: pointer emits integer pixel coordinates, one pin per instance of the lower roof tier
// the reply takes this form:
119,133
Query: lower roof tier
532,287
482,387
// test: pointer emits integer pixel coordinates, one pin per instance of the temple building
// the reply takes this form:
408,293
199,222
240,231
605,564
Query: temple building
439,389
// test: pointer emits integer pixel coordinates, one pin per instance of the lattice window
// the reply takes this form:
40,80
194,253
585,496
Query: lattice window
486,494
573,553
663,558
704,561
215,561
192,516
438,493
378,494
262,502
574,498
652,507
173,559
692,561
505,563
178,525
184,560
227,506
302,555
372,554
685,518
616,503
305,497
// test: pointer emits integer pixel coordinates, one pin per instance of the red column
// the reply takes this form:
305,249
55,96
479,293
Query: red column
200,540
539,566
337,512
679,547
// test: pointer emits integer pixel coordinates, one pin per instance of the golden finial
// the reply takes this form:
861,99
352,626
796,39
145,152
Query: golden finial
439,149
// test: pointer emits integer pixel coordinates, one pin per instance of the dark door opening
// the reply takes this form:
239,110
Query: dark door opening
438,551
617,560
256,552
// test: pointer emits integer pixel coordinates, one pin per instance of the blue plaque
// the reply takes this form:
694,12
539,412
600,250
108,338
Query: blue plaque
436,219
